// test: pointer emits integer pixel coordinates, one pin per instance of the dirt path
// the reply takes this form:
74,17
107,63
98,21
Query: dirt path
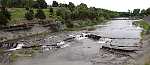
144,57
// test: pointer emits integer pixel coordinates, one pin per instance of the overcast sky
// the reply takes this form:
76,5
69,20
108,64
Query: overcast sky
116,5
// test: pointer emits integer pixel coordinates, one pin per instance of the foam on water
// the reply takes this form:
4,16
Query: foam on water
19,46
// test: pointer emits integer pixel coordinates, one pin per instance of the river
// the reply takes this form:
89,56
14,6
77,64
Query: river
87,51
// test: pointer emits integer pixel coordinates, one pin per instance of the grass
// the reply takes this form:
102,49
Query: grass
144,25
147,62
17,14
84,25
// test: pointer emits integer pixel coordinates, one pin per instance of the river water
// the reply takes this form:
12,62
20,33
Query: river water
87,51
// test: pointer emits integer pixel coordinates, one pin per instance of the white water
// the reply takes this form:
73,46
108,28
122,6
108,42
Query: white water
19,46
83,51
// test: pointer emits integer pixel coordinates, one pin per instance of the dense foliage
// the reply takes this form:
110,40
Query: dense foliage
24,3
29,15
66,13
55,4
40,14
136,13
4,16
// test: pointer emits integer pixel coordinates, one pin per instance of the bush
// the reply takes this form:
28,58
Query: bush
4,16
65,14
6,13
51,11
29,15
55,4
40,4
40,14
3,19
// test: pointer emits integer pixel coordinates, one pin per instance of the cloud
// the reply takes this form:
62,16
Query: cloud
116,5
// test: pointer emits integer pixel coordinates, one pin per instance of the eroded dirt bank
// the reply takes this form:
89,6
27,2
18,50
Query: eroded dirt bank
144,57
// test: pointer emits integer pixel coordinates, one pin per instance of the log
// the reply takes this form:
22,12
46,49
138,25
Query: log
124,38
69,39
123,50
124,46
95,37
53,45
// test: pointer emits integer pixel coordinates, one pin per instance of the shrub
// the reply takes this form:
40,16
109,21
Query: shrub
4,16
51,11
3,19
29,15
40,14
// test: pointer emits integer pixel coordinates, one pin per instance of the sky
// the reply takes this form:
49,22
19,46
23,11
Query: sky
114,5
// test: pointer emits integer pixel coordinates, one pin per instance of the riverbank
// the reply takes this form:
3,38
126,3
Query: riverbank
80,52
143,24
144,57
43,29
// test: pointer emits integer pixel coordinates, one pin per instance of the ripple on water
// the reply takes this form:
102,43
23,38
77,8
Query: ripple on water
82,52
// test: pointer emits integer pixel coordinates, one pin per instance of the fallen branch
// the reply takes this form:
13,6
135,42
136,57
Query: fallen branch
124,46
123,50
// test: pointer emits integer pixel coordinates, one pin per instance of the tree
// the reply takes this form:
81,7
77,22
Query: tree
29,3
29,15
6,13
148,11
51,11
4,16
136,12
106,15
41,4
82,6
40,14
63,5
92,13
55,4
143,13
129,13
4,3
71,6
83,11
65,14
3,19
24,3
18,3
75,14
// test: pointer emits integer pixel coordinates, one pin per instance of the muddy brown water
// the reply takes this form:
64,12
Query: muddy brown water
87,51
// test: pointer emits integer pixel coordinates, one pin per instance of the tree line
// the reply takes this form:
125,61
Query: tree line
24,3
137,13
58,11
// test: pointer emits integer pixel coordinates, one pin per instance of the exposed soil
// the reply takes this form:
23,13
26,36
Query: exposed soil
144,57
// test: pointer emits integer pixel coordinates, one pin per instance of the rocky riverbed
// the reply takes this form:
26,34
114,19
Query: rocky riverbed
81,51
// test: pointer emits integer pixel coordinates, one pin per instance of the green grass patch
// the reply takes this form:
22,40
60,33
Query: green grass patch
17,14
147,64
144,25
